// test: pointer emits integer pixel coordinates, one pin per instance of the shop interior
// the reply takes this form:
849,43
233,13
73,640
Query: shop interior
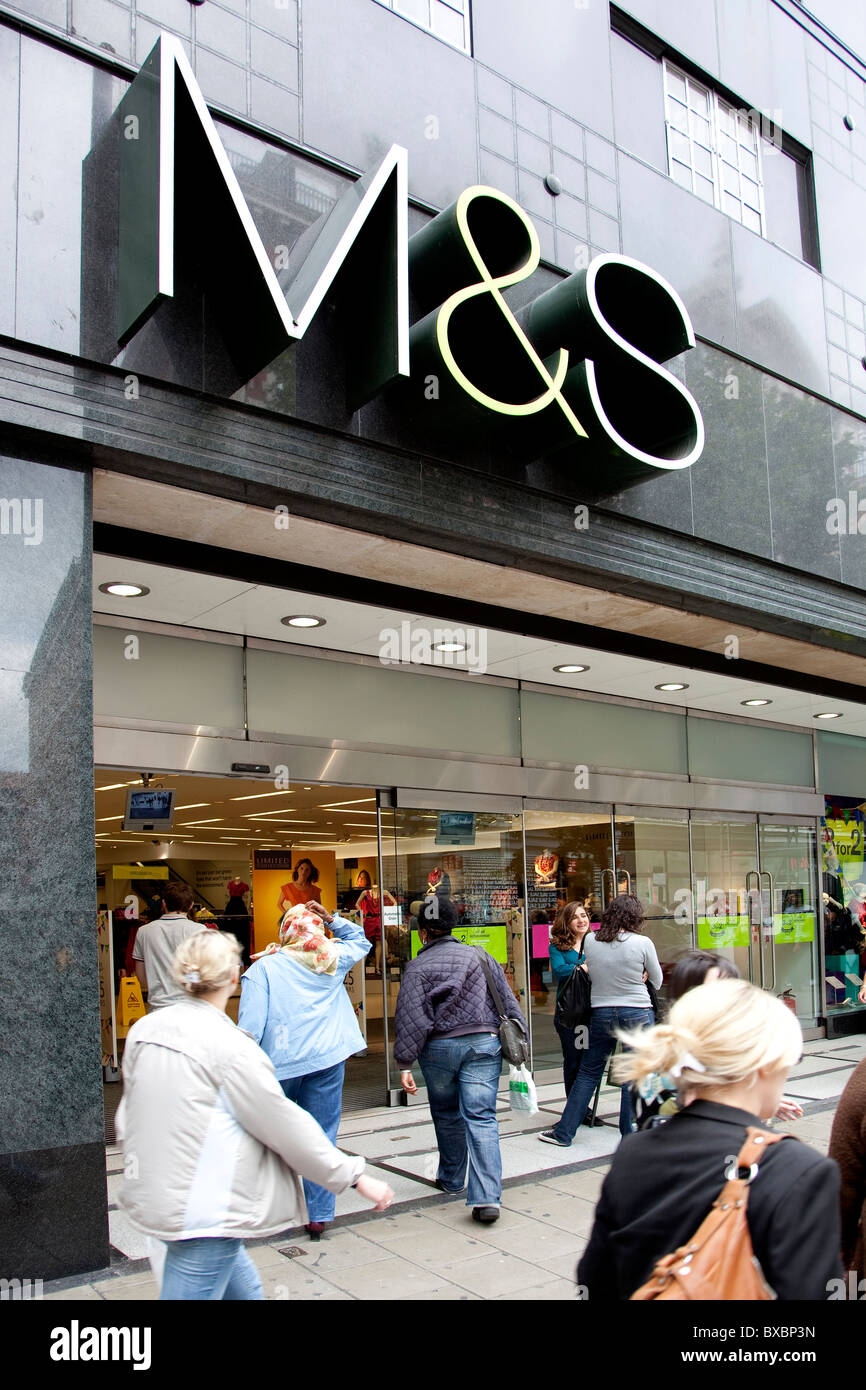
237,843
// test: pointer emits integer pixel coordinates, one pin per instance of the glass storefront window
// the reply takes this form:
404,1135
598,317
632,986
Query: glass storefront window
652,862
844,902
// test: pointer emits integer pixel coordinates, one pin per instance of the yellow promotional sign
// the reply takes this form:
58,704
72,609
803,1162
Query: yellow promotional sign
106,988
139,871
130,1004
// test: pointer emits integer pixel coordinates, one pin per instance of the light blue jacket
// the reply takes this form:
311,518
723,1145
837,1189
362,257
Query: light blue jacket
303,1021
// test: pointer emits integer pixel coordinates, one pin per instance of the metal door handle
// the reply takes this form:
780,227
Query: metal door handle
752,900
604,874
765,873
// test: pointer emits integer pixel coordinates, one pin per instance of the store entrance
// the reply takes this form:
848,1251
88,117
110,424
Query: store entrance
238,844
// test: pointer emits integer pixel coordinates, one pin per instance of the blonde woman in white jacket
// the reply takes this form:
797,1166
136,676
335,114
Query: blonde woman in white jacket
213,1150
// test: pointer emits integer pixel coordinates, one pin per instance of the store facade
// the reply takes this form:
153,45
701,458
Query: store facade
645,463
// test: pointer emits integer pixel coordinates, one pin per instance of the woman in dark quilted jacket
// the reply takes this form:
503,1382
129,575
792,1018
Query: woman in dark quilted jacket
446,1019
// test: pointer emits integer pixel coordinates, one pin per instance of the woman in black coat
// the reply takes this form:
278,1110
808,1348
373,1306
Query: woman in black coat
730,1047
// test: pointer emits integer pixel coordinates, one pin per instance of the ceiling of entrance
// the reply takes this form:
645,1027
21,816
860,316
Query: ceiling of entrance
221,814
208,603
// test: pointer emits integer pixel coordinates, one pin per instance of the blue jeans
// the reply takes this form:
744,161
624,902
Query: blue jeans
601,1044
211,1267
321,1095
462,1076
571,1056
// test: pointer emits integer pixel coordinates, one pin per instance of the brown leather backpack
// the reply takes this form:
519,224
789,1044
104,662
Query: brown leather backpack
718,1264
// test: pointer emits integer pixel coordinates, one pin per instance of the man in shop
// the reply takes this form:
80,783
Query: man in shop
156,943
446,1018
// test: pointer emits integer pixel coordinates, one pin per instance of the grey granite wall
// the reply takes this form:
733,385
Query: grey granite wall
52,1168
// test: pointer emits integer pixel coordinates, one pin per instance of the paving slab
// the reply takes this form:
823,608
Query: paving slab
391,1278
494,1274
818,1087
296,1282
557,1291
343,1247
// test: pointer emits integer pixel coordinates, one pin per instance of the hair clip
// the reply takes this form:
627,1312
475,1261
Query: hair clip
192,977
687,1061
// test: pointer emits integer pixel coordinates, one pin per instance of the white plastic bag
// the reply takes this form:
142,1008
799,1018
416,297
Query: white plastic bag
521,1091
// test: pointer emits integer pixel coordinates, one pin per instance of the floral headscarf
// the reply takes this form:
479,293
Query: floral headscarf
302,936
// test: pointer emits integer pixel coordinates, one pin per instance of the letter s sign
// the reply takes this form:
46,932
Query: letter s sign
622,320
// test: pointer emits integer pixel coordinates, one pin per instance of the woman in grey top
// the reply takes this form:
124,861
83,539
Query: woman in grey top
620,960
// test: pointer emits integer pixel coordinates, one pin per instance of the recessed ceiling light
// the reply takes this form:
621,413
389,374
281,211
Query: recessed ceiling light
673,685
569,670
827,715
449,646
756,702
303,620
121,590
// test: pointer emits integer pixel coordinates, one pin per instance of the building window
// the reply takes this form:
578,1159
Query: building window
447,19
714,150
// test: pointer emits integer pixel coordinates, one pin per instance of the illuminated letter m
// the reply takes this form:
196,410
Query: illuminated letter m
183,221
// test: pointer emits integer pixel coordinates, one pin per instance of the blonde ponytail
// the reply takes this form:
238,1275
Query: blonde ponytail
718,1034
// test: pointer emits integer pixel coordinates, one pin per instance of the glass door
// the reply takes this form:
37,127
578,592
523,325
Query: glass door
652,862
474,859
726,889
789,938
569,858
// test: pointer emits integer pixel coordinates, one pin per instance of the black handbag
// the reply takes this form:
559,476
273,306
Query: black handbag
573,1007
512,1038
654,1000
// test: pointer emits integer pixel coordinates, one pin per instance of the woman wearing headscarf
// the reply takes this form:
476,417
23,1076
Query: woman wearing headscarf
213,1149
294,1005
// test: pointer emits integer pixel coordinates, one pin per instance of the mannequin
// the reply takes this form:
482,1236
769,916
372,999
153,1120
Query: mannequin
370,909
546,866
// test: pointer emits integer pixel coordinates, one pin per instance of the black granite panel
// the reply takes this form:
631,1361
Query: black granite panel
48,961
53,1212
849,452
730,484
802,479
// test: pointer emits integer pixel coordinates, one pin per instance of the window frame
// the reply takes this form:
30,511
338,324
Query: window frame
629,29
719,111
463,8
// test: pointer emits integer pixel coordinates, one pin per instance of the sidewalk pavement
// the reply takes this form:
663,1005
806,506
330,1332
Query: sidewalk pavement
430,1245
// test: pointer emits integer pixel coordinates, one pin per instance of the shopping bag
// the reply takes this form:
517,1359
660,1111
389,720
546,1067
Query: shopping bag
521,1090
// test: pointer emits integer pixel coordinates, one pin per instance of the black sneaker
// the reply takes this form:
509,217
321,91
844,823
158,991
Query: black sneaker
547,1136
452,1191
486,1215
